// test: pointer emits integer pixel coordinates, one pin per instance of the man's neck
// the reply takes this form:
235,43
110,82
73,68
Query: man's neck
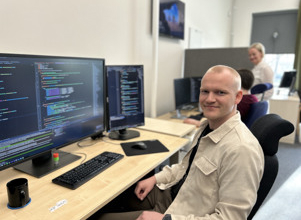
214,124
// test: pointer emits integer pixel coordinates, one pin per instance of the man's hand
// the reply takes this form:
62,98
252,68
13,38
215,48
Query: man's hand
192,121
149,215
144,187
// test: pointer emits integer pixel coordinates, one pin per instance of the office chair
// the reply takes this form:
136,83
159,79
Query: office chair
268,130
261,88
257,110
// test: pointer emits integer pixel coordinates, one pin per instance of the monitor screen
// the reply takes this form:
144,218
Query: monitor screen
182,89
287,79
48,102
195,85
125,91
172,18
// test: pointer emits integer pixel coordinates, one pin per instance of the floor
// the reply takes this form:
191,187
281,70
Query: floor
284,199
285,204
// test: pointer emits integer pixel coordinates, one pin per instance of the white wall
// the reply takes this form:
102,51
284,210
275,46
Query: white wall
120,32
212,18
77,28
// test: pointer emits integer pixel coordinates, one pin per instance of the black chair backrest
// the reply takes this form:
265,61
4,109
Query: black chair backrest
256,110
268,130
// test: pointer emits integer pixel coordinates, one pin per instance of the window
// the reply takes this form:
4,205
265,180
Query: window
279,64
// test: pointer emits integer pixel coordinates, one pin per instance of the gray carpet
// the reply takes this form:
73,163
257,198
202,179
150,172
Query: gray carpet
289,157
283,201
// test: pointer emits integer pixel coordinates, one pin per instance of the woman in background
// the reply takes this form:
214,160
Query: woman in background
263,73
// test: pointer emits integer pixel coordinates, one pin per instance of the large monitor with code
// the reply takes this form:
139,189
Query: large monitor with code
125,91
48,102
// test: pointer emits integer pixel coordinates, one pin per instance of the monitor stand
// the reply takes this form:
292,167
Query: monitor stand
123,134
179,115
44,164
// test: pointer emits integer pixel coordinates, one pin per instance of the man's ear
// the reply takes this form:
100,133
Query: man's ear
238,97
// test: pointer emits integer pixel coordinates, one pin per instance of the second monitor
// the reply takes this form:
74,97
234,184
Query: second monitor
125,92
186,91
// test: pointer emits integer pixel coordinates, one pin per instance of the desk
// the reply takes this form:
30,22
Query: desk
167,127
288,108
169,115
90,197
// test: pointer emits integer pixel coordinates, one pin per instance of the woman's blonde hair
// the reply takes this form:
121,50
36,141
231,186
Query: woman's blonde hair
259,47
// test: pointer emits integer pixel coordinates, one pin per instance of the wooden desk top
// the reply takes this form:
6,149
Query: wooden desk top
170,115
167,127
285,97
90,197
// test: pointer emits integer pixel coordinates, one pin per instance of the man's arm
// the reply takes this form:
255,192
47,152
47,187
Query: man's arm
144,187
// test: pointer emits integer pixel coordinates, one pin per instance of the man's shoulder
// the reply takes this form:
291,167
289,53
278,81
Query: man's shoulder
239,133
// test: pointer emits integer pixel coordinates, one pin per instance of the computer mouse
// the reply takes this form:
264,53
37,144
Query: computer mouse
139,146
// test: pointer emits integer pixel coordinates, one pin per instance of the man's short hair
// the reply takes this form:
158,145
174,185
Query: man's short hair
247,78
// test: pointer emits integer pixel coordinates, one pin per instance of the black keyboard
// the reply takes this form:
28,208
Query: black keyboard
79,175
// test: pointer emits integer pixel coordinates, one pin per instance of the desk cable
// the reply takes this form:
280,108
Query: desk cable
80,145
85,156
109,142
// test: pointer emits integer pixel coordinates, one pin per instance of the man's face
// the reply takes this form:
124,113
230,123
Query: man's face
255,56
218,97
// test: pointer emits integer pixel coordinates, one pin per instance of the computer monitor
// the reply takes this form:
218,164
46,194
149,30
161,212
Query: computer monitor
287,79
182,91
292,87
195,85
125,102
48,102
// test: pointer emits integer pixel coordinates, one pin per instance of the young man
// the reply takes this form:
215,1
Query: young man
219,177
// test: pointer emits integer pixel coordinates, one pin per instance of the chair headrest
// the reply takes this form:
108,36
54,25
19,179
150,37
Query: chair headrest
269,85
260,88
268,130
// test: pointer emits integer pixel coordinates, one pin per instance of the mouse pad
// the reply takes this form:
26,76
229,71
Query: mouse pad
153,146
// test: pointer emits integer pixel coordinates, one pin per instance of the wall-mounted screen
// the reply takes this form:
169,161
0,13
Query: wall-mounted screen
172,18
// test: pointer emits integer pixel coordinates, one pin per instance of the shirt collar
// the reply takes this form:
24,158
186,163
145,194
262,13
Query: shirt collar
218,134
